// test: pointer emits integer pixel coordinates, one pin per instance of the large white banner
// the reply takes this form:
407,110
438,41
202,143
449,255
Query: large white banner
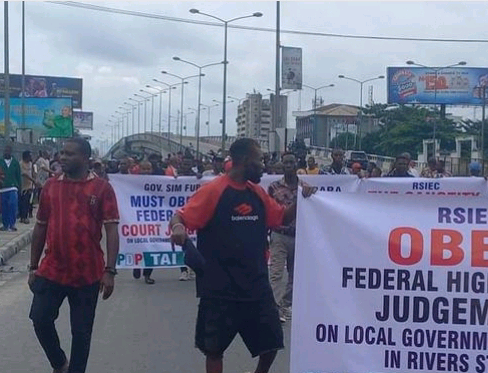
147,202
389,283
450,186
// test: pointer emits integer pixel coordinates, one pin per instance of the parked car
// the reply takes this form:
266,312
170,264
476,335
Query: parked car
356,156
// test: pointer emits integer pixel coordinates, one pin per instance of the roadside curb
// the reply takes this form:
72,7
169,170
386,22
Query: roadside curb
13,247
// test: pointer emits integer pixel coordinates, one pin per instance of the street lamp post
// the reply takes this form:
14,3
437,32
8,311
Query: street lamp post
224,90
436,71
221,103
361,82
160,91
183,79
152,95
133,109
200,68
139,103
208,107
315,99
170,87
279,121
145,108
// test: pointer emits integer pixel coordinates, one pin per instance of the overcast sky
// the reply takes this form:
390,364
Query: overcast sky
116,55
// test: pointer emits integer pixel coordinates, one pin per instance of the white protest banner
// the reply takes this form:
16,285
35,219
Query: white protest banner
325,183
450,186
390,284
146,204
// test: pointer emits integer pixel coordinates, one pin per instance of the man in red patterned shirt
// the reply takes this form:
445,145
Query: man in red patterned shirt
73,207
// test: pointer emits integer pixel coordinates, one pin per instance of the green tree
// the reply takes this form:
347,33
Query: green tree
402,129
344,140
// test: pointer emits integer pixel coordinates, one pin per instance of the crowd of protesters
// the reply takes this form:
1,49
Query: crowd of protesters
238,295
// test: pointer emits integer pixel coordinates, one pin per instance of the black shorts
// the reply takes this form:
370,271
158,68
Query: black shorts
220,320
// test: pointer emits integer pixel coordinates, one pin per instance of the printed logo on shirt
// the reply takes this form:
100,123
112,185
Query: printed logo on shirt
244,210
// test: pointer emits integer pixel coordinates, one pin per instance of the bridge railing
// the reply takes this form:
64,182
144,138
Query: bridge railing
123,147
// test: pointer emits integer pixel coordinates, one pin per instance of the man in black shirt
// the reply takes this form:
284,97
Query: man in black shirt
232,215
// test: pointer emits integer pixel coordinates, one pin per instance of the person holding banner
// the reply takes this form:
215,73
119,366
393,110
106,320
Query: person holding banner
400,167
282,245
145,169
337,167
232,215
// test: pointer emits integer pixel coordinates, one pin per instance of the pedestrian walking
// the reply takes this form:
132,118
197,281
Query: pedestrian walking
10,189
232,215
73,207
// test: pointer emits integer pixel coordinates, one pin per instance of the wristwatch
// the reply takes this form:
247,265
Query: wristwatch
111,270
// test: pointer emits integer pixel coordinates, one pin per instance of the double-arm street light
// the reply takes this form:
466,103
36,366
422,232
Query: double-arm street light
170,87
200,68
361,83
183,81
224,90
436,70
208,107
146,99
238,99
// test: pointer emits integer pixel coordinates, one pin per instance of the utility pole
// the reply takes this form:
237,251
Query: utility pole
7,72
276,119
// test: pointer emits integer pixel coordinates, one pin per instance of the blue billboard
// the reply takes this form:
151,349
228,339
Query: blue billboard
46,117
451,86
44,86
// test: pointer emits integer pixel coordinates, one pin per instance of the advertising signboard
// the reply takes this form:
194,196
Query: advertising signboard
291,68
46,117
451,86
45,86
83,120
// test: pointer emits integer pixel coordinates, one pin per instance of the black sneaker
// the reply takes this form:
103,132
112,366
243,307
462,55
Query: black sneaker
3,229
13,229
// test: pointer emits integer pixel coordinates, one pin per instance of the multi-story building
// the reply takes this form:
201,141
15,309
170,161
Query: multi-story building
318,127
255,116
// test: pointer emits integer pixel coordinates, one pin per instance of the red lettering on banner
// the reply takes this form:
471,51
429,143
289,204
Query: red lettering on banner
395,245
479,248
141,230
137,258
438,247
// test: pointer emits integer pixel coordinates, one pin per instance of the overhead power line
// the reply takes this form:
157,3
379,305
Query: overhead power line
264,29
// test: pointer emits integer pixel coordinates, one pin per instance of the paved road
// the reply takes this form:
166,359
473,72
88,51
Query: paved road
141,329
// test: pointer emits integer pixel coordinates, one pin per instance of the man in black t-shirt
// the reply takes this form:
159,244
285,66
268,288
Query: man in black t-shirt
232,215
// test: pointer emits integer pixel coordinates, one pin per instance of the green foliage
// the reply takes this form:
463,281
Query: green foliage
344,140
403,128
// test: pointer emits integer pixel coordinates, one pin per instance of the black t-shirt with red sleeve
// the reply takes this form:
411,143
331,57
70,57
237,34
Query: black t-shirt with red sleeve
232,220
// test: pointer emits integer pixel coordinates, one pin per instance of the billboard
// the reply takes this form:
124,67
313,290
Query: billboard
46,117
452,86
44,86
83,120
291,68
